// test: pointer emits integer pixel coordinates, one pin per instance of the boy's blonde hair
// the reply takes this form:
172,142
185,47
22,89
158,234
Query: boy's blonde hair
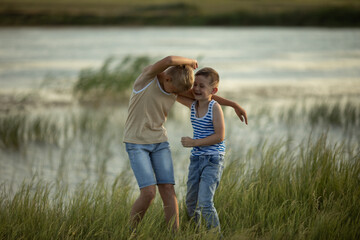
211,74
182,77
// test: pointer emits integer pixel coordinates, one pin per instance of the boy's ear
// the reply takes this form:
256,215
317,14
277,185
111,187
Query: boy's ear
214,91
168,78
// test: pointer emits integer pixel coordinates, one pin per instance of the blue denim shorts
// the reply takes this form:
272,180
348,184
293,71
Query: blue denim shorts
151,163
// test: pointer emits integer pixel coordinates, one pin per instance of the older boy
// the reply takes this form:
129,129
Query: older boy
146,138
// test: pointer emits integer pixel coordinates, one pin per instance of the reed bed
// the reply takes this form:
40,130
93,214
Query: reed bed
310,195
111,80
17,130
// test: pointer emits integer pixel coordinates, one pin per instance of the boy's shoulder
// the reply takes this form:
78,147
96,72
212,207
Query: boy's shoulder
143,80
216,107
214,103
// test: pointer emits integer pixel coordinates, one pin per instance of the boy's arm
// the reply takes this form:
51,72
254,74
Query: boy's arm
169,61
151,71
222,101
184,100
238,109
217,137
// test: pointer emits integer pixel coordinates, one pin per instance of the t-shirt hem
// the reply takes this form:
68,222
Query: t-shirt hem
145,141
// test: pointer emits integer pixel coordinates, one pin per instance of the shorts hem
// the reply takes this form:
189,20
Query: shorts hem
173,183
147,185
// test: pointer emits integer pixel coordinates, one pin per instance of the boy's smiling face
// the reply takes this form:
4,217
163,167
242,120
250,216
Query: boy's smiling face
202,88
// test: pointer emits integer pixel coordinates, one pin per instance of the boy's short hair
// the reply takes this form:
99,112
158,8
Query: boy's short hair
210,74
182,77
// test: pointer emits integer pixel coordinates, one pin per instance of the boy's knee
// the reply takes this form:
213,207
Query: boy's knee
167,189
148,193
205,204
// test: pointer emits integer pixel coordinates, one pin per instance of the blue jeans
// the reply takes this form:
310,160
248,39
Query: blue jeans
151,163
204,177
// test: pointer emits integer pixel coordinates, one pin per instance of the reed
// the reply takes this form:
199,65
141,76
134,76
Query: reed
12,129
335,114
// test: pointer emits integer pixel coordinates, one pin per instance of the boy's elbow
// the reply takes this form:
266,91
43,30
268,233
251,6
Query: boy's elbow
170,60
220,138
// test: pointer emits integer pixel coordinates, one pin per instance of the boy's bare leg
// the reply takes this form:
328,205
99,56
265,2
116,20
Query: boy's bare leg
171,209
142,203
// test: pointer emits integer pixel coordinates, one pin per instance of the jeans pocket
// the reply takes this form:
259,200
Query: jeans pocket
216,160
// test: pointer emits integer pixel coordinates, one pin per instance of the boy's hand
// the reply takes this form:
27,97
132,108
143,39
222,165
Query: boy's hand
194,64
241,113
187,142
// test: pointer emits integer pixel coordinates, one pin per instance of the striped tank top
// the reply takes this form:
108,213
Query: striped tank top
203,127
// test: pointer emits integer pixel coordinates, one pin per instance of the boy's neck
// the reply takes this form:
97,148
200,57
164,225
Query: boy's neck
161,78
203,103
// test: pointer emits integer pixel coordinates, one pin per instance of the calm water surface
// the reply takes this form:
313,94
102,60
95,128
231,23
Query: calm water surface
30,55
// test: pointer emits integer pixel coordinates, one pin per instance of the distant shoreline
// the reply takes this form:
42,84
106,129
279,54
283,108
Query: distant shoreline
345,16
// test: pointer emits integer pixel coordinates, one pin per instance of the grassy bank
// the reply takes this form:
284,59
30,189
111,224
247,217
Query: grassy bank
181,13
313,194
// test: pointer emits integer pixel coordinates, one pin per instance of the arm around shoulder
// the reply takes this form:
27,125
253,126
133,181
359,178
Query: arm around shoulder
185,101
186,98
238,109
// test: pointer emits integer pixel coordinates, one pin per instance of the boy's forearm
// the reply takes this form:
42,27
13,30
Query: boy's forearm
238,109
188,94
210,140
223,101
178,60
168,61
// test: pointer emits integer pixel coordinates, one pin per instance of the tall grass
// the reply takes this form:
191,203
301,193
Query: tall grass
336,114
271,190
310,195
12,131
109,81
17,130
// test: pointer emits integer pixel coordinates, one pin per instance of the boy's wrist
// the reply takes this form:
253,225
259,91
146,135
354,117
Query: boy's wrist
195,143
235,105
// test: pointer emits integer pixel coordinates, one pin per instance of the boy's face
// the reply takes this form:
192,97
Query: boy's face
202,88
169,87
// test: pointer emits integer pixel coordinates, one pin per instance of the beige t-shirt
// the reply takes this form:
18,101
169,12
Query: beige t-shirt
148,109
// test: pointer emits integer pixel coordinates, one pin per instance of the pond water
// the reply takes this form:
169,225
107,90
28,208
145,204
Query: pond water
294,64
30,55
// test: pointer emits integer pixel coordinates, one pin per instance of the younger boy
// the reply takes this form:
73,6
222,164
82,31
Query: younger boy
207,155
